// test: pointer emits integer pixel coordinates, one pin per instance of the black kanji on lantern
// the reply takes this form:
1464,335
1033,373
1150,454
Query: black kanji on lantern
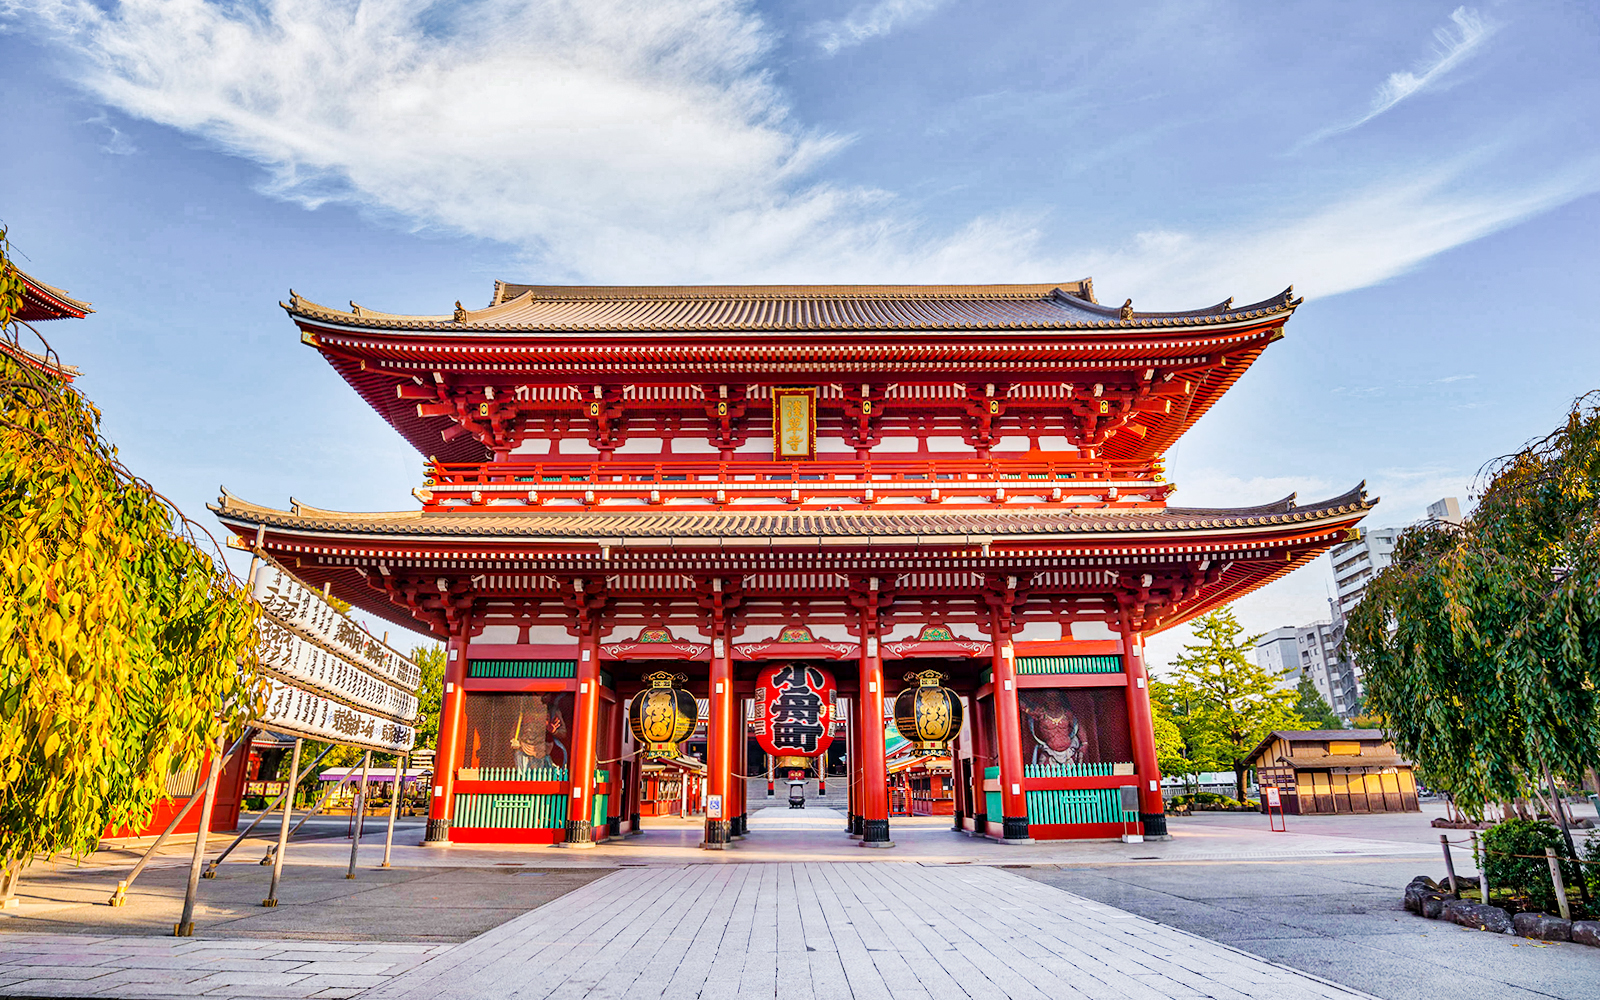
798,702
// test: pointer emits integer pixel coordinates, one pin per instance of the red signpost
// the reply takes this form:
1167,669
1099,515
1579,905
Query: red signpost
1275,801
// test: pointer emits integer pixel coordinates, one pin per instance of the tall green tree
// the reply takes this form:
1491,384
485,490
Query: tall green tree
1481,641
1313,708
126,647
1234,703
430,696
1190,748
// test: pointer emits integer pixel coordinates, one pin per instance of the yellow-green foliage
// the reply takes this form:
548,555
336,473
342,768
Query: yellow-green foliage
125,650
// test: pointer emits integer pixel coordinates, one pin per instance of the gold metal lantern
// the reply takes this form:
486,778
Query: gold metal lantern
928,715
663,714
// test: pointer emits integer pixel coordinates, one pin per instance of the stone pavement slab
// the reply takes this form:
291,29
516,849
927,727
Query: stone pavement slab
104,966
1342,919
831,932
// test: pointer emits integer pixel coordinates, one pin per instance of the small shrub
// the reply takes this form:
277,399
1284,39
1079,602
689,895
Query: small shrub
1529,875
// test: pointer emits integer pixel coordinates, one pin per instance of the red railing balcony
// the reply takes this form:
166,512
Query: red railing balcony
679,480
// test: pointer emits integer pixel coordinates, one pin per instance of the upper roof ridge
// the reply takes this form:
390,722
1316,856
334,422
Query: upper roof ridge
505,291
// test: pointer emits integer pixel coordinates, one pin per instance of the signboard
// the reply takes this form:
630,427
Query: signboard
794,423
304,610
713,807
1273,798
328,678
796,705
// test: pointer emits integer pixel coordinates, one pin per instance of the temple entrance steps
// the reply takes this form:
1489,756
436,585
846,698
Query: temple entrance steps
838,796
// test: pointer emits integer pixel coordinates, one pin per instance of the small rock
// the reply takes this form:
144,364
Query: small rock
1477,915
1420,887
1433,904
1542,927
1464,882
1586,932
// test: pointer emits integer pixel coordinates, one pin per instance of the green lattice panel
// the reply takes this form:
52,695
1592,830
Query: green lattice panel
1069,664
510,812
1072,770
1078,805
522,668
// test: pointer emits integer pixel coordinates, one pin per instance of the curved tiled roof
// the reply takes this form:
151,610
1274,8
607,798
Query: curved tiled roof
578,524
42,302
1061,306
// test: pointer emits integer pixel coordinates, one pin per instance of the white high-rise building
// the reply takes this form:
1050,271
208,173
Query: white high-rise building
1279,650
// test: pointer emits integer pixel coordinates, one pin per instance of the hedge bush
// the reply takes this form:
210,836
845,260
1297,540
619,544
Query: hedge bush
1527,876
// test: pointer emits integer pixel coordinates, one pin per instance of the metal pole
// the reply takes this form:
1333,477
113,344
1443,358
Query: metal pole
283,829
1555,880
361,813
394,805
294,776
185,925
1449,866
120,896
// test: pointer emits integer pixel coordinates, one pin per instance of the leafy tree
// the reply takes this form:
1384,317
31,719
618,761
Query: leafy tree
1233,702
1313,708
1190,747
1481,642
128,649
430,696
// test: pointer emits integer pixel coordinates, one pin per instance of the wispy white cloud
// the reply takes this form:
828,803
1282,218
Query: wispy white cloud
869,21
117,142
643,141
1454,42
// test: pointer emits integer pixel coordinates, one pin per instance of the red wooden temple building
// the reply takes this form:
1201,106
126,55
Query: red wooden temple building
876,479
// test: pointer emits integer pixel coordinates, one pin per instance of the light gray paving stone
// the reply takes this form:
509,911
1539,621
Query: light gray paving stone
46,988
334,967
251,979
75,972
861,975
647,965
317,983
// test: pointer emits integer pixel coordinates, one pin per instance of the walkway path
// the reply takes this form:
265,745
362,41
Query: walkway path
829,932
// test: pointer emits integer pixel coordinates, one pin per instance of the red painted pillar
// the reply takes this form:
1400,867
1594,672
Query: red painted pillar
635,784
719,739
1008,723
585,732
1146,764
980,762
738,758
852,755
613,768
447,755
874,769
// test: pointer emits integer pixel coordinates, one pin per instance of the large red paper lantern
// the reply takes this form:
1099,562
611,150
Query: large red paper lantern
796,710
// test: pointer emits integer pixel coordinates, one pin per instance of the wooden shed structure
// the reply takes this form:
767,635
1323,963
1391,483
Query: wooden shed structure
1334,771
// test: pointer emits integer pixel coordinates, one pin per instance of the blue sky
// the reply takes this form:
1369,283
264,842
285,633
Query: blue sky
1424,173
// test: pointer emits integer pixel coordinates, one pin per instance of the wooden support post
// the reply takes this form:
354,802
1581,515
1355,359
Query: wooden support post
185,925
1556,881
394,805
874,767
1449,865
361,813
582,761
1141,724
719,737
120,896
283,828
446,756
1483,869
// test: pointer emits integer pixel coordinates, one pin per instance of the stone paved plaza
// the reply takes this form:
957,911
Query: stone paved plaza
1223,910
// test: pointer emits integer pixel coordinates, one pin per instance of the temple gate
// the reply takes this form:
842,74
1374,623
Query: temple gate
876,479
